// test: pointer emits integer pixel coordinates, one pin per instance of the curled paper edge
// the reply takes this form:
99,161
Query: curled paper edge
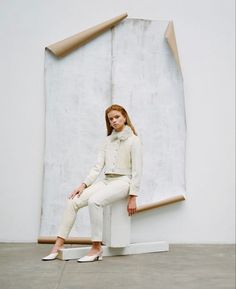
171,40
63,47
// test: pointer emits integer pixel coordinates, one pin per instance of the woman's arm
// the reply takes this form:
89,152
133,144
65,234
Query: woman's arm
97,168
137,166
132,206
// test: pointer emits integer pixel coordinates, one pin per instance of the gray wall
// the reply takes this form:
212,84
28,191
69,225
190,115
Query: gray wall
205,38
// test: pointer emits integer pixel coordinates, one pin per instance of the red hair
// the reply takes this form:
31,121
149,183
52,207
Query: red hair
123,112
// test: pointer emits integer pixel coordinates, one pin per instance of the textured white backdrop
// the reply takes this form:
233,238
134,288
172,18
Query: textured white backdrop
131,65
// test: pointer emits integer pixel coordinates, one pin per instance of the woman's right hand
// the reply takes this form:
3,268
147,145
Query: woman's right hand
77,191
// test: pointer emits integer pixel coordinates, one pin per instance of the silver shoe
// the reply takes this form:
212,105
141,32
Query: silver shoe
96,257
50,257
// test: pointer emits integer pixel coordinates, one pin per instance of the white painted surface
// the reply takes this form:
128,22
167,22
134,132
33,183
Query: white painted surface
147,81
132,65
205,39
140,248
76,89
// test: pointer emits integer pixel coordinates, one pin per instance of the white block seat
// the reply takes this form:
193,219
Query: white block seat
116,224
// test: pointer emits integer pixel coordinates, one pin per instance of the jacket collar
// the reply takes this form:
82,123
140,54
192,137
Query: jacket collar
121,135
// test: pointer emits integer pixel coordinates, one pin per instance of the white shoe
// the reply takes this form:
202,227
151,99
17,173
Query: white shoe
96,257
50,257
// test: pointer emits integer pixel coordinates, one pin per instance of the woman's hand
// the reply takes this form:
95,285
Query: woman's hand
131,207
77,191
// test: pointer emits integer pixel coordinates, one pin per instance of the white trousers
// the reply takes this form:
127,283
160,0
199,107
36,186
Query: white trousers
104,192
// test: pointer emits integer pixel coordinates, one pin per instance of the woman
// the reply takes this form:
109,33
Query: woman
121,154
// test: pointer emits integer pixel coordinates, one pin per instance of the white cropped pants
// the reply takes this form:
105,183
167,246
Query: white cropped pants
104,192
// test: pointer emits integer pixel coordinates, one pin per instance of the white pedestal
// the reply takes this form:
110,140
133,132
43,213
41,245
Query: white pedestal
136,248
116,224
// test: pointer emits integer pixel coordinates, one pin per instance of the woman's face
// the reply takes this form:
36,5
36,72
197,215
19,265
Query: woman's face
116,119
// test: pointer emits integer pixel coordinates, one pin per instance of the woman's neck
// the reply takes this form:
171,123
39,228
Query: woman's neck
120,128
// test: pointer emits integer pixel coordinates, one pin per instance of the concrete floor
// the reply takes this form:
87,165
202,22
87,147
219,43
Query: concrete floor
184,266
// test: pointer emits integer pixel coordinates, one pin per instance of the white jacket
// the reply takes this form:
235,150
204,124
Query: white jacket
121,153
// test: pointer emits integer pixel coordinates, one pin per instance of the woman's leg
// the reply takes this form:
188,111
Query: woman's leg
70,213
58,244
114,190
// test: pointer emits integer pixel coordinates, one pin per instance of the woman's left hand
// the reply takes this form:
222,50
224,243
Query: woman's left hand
131,207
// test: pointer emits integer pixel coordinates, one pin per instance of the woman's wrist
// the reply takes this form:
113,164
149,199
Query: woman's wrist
84,185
